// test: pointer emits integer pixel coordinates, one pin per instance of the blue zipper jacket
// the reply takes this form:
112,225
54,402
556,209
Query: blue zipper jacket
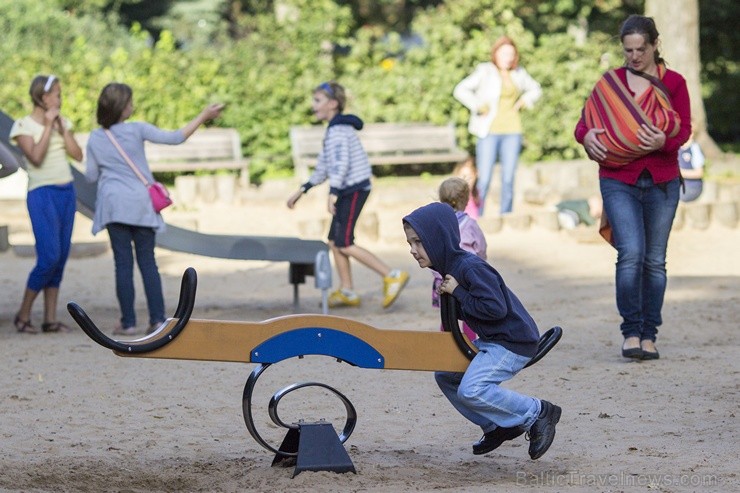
483,300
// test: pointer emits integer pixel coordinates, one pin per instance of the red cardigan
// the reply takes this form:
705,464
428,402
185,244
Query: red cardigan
662,164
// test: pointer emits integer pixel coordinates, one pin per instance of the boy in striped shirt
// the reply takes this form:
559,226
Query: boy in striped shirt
345,164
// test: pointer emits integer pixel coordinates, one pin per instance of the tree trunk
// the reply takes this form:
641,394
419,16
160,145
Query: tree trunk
678,25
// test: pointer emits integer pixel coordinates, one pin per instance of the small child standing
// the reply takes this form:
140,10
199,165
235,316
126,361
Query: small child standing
508,336
455,192
468,172
345,164
691,165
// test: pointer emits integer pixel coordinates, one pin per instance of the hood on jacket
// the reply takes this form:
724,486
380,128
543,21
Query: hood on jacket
439,232
342,119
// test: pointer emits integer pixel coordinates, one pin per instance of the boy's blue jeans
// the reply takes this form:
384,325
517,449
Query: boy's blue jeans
477,395
641,217
143,238
487,151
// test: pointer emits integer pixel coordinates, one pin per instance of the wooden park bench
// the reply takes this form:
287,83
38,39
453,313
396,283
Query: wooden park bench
385,143
208,149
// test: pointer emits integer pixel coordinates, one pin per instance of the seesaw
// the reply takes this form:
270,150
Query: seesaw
309,446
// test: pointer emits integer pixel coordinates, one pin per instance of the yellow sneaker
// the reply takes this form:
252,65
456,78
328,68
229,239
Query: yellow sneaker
339,298
393,285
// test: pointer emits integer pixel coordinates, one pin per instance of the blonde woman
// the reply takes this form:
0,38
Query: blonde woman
46,139
495,93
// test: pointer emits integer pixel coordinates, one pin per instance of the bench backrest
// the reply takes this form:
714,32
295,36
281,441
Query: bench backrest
379,139
206,144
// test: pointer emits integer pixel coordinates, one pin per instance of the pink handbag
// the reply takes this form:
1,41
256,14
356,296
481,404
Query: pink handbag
160,196
157,191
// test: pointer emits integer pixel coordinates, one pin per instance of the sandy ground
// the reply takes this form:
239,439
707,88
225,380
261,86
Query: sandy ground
75,417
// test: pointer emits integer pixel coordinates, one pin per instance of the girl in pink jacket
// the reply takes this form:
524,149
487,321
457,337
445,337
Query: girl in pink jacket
456,192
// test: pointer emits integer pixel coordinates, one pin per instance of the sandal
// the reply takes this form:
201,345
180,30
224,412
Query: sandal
25,326
55,327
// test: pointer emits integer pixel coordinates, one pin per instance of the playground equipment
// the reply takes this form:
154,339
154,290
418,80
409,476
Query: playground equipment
11,157
310,446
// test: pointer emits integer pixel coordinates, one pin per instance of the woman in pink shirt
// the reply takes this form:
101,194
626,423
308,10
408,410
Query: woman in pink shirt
633,124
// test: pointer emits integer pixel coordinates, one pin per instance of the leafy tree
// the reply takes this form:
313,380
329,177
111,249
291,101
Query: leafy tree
40,38
720,42
129,12
263,57
678,23
272,69
417,86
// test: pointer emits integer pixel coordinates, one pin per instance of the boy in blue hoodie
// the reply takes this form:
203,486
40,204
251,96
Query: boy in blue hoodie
507,336
345,164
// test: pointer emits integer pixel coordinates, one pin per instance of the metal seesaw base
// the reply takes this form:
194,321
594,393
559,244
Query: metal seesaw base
309,446
313,447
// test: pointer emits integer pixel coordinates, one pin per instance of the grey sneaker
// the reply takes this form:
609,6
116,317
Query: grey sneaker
126,331
153,327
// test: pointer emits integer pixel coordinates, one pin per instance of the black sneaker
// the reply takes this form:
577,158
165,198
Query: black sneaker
493,439
542,432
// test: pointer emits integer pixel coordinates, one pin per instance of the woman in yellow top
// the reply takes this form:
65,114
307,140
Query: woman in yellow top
46,139
495,93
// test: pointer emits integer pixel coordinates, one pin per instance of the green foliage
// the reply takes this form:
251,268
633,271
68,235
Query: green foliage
567,73
271,71
265,63
720,42
41,39
457,36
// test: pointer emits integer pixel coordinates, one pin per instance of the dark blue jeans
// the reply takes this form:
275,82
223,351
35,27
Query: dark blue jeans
641,216
143,239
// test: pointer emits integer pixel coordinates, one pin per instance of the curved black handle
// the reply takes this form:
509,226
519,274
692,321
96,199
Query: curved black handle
448,312
182,314
547,342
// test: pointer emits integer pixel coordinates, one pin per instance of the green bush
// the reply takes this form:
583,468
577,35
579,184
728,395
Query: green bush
266,75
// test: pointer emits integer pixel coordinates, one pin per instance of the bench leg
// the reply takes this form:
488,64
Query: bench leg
321,270
297,275
296,300
4,238
244,177
301,172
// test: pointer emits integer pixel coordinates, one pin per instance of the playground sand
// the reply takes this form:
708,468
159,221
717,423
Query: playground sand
75,417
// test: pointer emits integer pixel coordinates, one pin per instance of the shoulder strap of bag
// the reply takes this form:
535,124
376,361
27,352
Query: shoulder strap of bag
125,157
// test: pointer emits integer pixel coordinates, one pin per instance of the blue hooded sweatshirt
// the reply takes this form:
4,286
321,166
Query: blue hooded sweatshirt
483,300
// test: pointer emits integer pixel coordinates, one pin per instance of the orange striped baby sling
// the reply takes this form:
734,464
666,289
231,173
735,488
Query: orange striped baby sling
611,107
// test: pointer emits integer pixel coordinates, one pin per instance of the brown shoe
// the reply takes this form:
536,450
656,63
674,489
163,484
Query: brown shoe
55,327
25,326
